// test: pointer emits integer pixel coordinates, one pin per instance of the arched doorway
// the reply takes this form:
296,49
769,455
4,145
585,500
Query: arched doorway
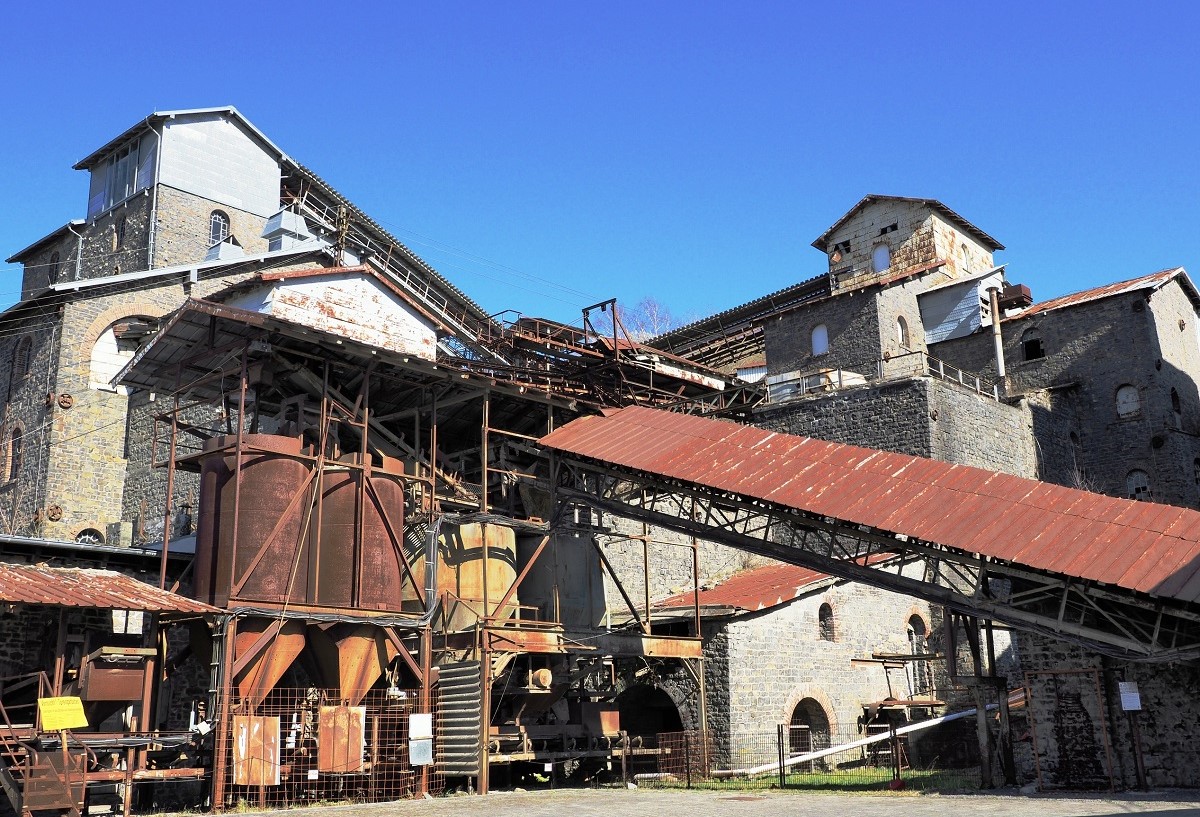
647,710
808,729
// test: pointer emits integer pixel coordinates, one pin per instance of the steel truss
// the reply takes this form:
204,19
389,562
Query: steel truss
1104,619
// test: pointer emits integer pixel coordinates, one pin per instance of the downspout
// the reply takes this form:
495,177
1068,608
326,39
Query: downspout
78,250
997,338
153,231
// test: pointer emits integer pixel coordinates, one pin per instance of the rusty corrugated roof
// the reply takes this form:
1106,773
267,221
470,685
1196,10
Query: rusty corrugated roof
755,589
1152,281
81,587
1139,546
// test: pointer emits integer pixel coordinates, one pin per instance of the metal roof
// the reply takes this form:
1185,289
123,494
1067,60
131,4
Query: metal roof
757,589
1138,546
82,587
822,242
1154,280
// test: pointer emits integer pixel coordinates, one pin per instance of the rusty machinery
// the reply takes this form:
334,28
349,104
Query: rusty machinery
376,528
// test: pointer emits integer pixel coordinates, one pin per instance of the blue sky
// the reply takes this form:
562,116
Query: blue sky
547,155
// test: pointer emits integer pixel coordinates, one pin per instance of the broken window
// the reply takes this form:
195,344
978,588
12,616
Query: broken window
1129,403
825,629
1137,485
820,340
1031,345
881,257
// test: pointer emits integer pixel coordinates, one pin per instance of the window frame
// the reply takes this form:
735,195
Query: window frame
819,331
214,218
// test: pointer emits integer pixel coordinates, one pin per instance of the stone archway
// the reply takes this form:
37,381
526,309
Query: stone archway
809,727
648,710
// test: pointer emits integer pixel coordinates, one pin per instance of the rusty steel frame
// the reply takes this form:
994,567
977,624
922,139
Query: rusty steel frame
1123,625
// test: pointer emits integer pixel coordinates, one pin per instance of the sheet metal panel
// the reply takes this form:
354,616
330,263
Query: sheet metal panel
1136,545
80,587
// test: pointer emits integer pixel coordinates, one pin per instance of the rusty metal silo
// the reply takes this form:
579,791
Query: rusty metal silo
469,588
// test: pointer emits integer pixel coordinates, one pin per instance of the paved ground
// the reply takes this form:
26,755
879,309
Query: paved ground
650,803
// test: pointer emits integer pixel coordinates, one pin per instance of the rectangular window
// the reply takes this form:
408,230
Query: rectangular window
116,179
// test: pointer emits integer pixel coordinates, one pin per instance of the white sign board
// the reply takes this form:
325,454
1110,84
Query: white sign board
1131,699
420,725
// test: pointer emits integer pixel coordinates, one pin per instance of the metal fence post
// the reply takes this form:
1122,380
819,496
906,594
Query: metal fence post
779,745
687,757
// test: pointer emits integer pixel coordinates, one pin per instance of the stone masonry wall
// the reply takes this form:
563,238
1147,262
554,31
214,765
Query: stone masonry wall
852,322
182,227
776,658
1091,350
1071,745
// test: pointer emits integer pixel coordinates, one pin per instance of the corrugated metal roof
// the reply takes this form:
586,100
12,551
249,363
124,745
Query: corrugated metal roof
81,587
1138,546
756,589
1152,281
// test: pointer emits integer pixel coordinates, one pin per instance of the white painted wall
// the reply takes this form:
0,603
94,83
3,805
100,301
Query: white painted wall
215,158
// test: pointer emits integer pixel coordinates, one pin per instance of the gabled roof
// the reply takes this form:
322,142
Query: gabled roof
822,242
158,117
1153,281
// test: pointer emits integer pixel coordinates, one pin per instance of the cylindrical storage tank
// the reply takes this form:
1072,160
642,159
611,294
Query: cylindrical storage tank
271,474
385,585
332,538
461,571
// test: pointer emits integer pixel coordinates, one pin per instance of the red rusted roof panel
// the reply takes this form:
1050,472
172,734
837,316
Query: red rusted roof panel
79,587
1136,545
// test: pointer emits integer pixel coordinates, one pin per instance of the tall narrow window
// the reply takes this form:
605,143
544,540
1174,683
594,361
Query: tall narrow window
1137,485
218,227
1031,345
1196,470
881,257
825,628
918,645
20,364
1128,401
52,272
14,452
119,233
1176,406
820,340
902,332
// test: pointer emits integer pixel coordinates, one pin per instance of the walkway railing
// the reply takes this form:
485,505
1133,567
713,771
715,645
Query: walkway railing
792,385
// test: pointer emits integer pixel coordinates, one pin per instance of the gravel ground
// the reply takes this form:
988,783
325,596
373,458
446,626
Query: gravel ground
657,803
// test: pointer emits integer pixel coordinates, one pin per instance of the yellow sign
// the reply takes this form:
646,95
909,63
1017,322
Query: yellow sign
61,713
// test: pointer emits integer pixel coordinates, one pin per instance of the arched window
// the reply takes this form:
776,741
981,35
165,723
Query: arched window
1137,485
825,628
1175,404
1031,345
881,257
52,272
111,352
218,227
1129,403
119,233
918,644
20,364
902,332
15,445
820,340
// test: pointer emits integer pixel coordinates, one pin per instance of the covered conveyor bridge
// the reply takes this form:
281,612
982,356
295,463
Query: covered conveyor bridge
1119,576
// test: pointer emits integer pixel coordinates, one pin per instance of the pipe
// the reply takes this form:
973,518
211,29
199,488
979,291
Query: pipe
997,338
820,753
78,251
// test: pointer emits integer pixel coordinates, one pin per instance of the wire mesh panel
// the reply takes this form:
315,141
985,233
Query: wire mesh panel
325,751
942,758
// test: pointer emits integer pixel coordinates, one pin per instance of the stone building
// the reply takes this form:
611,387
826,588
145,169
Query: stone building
183,204
894,348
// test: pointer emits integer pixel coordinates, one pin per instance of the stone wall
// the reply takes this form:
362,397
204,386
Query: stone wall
182,227
776,658
1091,350
1073,721
924,417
